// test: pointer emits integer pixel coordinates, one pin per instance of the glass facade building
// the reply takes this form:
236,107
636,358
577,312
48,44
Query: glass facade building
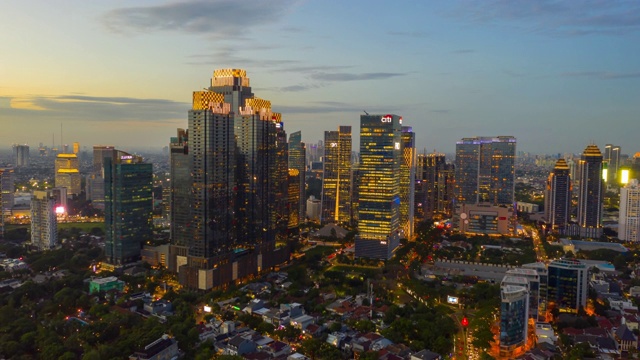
567,285
407,181
128,189
297,161
379,186
336,176
485,170
629,220
514,316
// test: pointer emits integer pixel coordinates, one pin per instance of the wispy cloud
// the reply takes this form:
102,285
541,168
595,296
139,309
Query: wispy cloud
212,17
603,75
561,18
97,108
324,76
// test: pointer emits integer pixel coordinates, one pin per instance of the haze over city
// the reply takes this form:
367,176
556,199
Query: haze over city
556,75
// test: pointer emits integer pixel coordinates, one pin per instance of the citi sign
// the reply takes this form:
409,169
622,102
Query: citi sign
387,119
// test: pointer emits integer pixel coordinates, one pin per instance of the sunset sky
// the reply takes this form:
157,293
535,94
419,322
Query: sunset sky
556,75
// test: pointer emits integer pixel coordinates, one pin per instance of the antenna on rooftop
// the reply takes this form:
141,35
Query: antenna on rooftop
365,111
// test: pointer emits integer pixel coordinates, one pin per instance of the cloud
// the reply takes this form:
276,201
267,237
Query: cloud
353,77
321,107
90,108
296,88
559,18
213,17
603,75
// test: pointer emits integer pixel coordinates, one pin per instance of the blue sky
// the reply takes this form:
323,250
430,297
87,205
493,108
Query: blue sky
558,75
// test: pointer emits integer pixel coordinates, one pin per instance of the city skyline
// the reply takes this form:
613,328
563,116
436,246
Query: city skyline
552,74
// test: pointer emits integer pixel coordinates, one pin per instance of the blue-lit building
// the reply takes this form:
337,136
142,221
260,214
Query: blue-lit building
379,186
514,317
567,286
128,194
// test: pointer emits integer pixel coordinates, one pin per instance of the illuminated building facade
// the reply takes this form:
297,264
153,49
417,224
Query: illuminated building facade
67,173
591,193
128,194
44,225
336,178
297,161
485,170
379,186
567,286
407,183
179,197
237,166
629,219
21,153
557,199
7,188
434,186
514,316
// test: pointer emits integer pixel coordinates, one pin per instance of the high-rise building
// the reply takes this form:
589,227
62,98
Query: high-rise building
7,188
44,225
557,199
591,193
567,286
180,197
22,157
297,161
379,186
67,173
235,172
434,186
95,180
485,170
336,178
76,148
629,219
612,160
532,283
514,317
407,181
128,195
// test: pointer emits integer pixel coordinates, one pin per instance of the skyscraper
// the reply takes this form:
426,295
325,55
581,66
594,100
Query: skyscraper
485,170
557,199
180,198
629,223
591,193
128,195
297,161
234,158
21,153
407,181
67,173
44,225
379,186
434,186
567,286
7,188
336,179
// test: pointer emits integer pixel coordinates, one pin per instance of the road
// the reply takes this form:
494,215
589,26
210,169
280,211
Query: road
537,243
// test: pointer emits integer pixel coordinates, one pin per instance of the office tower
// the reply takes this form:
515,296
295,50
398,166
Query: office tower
76,148
44,225
67,173
297,161
567,286
95,180
557,197
293,202
612,160
7,188
591,193
128,197
314,207
180,197
434,186
514,317
336,176
629,219
21,153
279,176
379,186
234,160
485,170
61,207
407,183
543,273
